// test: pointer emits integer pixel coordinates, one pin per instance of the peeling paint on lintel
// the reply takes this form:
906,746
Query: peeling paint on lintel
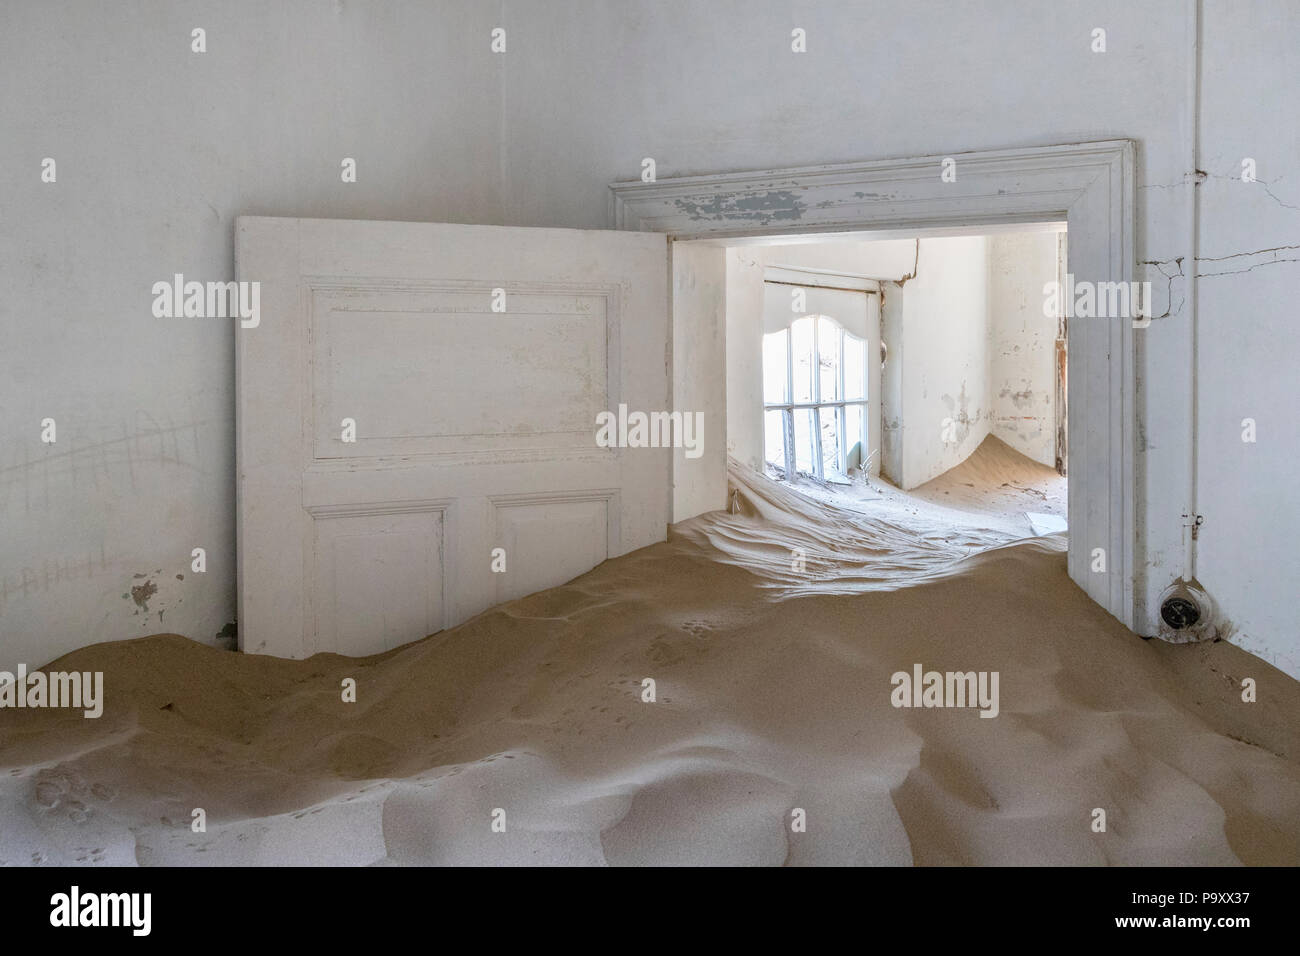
771,206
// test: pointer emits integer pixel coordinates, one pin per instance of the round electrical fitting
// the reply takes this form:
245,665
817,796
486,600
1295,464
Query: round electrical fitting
1186,614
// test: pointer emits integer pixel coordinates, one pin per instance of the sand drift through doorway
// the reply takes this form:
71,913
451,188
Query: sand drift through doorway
1090,186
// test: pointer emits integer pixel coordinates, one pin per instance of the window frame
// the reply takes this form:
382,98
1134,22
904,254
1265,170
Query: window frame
788,407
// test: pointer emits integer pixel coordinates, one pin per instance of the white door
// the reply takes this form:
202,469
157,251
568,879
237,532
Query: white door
416,410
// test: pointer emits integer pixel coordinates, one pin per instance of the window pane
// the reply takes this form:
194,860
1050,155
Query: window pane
830,425
775,369
853,437
801,341
855,367
803,440
828,344
774,438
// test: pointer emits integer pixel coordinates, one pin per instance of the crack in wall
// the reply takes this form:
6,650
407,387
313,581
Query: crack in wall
916,262
1169,291
1201,176
1273,250
1273,254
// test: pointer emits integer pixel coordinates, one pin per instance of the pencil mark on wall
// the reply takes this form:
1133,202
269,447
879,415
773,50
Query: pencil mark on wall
41,478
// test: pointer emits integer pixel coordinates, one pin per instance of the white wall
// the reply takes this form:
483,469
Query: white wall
1022,355
157,150
160,148
1249,335
980,354
945,411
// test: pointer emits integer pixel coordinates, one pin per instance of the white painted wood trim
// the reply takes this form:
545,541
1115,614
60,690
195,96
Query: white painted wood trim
1033,184
1089,185
821,279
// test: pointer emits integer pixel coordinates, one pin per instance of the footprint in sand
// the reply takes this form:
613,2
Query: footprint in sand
662,652
102,791
48,794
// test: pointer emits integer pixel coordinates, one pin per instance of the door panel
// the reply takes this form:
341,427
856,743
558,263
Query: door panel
471,427
377,579
527,528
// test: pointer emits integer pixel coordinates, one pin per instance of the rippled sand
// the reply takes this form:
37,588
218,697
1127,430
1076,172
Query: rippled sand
772,694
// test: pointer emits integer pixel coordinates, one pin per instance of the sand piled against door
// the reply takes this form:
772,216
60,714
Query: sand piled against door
772,704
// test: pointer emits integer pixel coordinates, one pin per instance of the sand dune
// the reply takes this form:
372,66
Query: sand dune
773,693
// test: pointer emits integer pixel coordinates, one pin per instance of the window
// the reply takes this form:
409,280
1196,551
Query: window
814,398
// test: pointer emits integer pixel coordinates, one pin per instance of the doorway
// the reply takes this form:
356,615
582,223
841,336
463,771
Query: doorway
1090,186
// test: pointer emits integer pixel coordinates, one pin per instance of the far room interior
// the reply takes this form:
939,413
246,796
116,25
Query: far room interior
919,372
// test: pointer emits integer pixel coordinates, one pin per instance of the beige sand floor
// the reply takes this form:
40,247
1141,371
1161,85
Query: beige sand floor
773,693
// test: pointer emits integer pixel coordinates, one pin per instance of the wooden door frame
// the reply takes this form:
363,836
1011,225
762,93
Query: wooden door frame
1089,185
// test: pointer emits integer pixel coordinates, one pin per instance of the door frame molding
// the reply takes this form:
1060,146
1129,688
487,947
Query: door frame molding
1092,186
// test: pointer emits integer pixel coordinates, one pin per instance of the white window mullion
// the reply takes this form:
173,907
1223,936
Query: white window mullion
839,413
817,365
789,397
844,440
817,397
787,419
817,442
789,365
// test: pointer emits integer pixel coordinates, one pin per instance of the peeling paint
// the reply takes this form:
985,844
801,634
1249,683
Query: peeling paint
228,636
959,410
141,593
771,206
1018,399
